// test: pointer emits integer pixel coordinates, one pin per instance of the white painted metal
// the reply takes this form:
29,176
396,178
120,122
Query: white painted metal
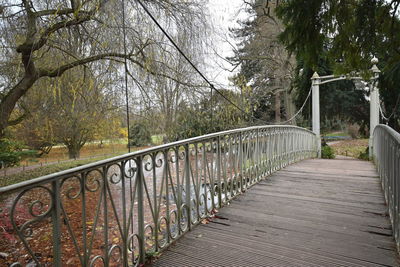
386,144
145,200
315,110
374,101
374,104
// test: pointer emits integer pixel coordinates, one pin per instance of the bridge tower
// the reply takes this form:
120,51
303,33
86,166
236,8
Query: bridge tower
317,80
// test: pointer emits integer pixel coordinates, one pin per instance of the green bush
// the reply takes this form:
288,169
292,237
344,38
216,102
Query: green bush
364,155
327,152
198,120
192,123
139,134
12,152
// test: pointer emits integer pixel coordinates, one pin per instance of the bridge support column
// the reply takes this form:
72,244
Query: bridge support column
374,104
316,128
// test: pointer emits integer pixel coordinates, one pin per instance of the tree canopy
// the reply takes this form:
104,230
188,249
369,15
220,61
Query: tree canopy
34,31
349,34
265,64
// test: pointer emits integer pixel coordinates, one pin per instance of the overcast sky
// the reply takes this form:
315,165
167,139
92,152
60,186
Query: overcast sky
224,14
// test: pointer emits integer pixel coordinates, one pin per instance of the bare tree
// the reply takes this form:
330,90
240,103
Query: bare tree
35,30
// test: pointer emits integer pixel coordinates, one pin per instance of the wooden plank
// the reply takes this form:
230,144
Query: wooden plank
313,213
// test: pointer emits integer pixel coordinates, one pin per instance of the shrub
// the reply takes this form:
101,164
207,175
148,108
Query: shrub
192,122
327,152
12,152
364,155
139,134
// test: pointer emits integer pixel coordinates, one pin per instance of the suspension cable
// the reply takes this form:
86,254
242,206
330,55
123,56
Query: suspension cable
126,75
203,76
300,110
393,112
187,58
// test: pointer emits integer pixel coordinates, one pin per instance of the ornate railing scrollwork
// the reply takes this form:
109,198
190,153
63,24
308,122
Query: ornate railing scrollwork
118,211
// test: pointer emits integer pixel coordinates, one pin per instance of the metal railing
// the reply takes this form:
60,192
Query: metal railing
116,212
386,155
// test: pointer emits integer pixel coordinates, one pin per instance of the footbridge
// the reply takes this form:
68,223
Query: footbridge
256,196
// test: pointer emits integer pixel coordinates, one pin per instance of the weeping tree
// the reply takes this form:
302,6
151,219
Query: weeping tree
71,110
34,31
168,95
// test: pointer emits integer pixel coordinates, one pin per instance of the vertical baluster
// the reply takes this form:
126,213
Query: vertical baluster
84,231
391,150
386,169
132,192
197,185
232,160
274,150
269,148
179,190
279,137
165,176
284,147
211,174
204,185
241,162
219,172
155,205
278,142
187,186
56,217
140,219
225,162
105,229
294,132
125,233
295,145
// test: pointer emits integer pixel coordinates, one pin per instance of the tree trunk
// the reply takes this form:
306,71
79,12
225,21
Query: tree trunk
8,103
277,107
74,151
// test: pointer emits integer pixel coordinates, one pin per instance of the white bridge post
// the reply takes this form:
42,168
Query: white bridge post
374,104
315,110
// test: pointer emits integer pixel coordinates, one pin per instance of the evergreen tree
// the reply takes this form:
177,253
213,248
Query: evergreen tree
265,65
349,33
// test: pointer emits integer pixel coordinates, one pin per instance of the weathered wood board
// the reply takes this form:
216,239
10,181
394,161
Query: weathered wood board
313,213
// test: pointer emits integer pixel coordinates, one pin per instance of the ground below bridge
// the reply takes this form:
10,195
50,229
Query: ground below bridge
313,213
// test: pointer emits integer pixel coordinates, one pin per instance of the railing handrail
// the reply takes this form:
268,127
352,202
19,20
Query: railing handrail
124,209
94,165
386,147
390,130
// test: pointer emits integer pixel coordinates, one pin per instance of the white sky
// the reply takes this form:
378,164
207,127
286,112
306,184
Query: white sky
224,14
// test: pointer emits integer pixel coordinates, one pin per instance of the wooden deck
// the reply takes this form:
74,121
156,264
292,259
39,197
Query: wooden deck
313,213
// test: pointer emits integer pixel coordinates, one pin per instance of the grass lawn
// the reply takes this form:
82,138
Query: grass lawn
48,169
60,153
350,148
57,160
335,134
